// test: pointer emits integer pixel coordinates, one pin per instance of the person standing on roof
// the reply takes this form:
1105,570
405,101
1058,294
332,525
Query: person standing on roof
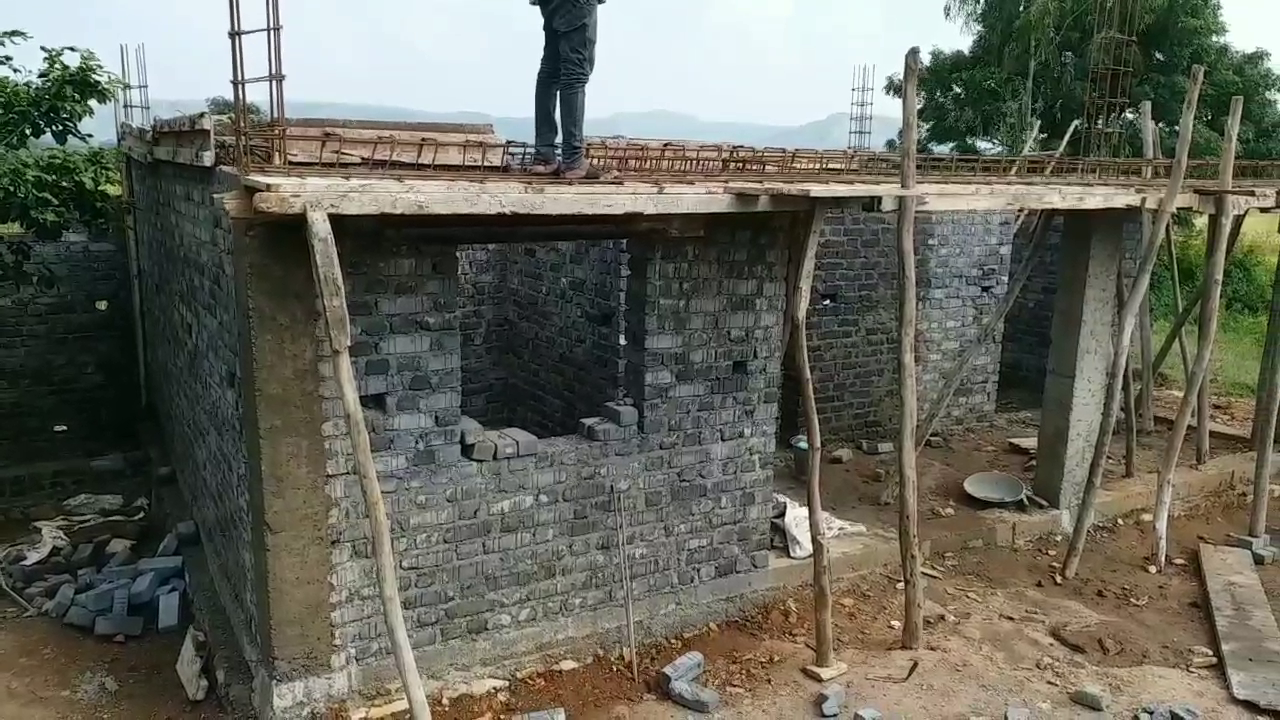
568,58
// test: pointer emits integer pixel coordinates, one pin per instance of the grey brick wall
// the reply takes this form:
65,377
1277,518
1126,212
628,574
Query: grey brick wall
487,548
1025,351
962,273
563,354
192,326
67,357
483,304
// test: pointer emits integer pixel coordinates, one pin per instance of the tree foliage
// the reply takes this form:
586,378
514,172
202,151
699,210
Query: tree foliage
222,105
980,98
48,190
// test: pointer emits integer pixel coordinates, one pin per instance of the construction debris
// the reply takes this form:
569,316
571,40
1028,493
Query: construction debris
190,666
831,700
793,522
1092,697
83,570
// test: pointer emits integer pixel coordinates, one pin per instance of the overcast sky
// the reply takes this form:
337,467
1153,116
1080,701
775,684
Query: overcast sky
775,61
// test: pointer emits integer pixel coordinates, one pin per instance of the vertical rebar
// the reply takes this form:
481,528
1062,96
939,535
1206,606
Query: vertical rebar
1113,55
861,103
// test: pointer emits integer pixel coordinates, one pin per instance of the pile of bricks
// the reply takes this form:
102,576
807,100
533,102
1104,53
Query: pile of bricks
105,588
618,420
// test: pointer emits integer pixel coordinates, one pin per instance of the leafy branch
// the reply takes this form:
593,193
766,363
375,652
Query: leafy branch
49,190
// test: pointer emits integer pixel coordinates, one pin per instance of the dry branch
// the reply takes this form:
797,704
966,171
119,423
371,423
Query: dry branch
1128,318
1204,337
333,299
908,500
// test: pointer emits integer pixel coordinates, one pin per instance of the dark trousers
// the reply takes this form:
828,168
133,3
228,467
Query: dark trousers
568,57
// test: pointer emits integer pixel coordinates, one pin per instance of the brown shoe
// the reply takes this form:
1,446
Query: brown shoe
582,171
541,167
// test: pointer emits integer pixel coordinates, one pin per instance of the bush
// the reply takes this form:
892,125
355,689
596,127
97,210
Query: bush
1246,280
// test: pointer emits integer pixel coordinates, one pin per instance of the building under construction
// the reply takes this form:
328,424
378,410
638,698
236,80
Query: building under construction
539,362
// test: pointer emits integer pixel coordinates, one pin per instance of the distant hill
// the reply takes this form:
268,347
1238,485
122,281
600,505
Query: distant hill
830,132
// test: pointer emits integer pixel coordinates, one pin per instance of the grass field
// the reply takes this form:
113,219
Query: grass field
1237,352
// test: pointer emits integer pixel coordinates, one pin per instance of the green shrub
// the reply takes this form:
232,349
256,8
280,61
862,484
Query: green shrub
1246,280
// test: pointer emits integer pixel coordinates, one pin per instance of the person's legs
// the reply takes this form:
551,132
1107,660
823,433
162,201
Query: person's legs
544,98
577,28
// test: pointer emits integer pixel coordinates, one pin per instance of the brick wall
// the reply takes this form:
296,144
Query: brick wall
67,359
562,350
540,325
192,324
482,321
962,273
490,548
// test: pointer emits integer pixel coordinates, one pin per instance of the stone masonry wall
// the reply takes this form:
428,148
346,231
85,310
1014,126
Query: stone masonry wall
483,305
962,273
510,554
1025,351
563,355
192,325
67,358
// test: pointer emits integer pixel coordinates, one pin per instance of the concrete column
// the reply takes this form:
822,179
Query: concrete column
1080,352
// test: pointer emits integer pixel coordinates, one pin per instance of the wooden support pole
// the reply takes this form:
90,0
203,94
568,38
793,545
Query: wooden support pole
956,373
1268,360
823,644
1264,415
908,491
1129,318
1181,332
1204,338
1130,401
1146,344
333,298
1214,237
1180,322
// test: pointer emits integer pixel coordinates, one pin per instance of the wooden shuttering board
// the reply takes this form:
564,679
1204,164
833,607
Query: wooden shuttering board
339,145
1248,637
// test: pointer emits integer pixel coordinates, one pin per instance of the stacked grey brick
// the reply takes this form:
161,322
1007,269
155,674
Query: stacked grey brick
67,357
482,321
193,326
487,549
962,273
563,355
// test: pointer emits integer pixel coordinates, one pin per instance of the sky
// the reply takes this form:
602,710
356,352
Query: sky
771,61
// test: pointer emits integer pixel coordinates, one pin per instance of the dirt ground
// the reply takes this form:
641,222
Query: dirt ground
49,672
1002,633
854,491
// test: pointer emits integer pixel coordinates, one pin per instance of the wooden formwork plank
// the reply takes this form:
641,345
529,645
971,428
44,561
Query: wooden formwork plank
1248,637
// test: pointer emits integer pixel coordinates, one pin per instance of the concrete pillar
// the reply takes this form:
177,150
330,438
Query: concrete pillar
1080,351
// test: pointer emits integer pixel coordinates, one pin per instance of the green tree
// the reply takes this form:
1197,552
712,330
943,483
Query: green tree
222,105
48,190
1029,59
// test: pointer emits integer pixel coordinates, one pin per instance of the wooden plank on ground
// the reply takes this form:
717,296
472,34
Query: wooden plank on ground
1248,638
